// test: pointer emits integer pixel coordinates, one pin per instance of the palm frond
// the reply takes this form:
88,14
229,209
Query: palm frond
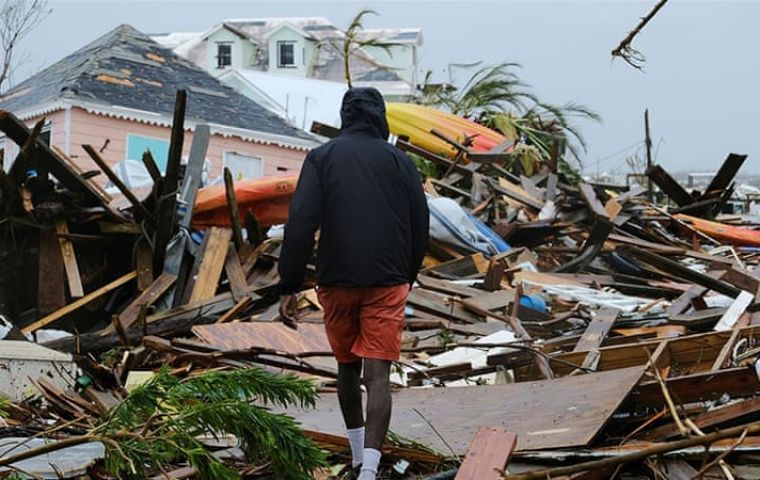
171,415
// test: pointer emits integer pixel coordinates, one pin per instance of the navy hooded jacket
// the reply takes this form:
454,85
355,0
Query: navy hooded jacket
365,197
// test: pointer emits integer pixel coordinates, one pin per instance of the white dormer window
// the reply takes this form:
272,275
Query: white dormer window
223,55
286,54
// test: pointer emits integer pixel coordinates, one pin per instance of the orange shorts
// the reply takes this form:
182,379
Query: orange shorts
364,322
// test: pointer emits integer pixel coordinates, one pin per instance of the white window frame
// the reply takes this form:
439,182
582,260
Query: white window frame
218,55
225,164
282,43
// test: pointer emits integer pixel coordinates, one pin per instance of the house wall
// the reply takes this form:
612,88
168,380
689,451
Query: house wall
243,51
89,128
304,52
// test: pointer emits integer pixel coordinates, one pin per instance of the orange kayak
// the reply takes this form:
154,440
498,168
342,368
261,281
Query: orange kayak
741,236
268,199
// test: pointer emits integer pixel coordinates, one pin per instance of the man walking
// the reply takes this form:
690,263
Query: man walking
365,197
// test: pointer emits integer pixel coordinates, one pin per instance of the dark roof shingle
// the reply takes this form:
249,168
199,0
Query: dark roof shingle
126,68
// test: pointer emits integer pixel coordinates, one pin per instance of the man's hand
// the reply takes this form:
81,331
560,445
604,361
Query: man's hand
289,311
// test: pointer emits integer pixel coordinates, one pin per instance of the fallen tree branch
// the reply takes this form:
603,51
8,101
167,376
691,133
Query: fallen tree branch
658,449
630,55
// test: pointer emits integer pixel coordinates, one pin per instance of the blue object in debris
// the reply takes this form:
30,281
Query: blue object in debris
534,302
499,244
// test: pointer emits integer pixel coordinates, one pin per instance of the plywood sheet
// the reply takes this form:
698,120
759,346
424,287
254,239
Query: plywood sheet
564,412
310,337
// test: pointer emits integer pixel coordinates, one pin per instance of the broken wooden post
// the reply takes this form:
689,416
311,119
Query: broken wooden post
232,205
167,201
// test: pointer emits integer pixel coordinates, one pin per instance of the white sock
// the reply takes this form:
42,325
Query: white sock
371,464
356,440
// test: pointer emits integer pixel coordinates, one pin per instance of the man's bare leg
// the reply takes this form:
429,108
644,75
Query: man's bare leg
350,400
377,380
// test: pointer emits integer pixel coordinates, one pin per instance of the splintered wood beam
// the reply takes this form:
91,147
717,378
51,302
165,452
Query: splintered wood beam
681,271
51,291
725,175
235,275
487,455
147,298
150,166
101,163
589,196
232,206
670,186
167,200
324,130
90,297
597,329
69,259
253,229
212,261
235,311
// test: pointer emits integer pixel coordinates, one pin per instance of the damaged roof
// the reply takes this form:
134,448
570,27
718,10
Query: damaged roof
126,68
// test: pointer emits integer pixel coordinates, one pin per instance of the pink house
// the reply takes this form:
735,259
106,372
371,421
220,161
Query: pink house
118,92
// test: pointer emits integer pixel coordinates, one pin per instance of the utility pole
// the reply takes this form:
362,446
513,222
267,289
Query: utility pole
648,142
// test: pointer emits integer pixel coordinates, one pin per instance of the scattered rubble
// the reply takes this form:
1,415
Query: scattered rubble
555,330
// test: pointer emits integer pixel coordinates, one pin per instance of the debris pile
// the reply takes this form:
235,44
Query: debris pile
556,330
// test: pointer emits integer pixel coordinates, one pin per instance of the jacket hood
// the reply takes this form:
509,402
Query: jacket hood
363,109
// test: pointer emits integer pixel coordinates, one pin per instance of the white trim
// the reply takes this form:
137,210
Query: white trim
67,130
152,118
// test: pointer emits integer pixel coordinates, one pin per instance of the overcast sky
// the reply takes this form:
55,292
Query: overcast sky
700,81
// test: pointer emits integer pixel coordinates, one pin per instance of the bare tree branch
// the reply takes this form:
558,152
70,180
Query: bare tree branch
17,19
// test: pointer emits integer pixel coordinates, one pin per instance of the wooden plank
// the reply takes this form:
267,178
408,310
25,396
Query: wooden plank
597,329
232,206
488,454
741,280
440,306
589,196
446,286
237,309
516,193
572,411
683,302
499,299
150,166
167,205
462,267
212,262
235,275
69,259
326,440
715,417
681,271
130,314
736,382
669,186
310,337
737,308
143,265
58,314
118,183
51,288
105,196
726,173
